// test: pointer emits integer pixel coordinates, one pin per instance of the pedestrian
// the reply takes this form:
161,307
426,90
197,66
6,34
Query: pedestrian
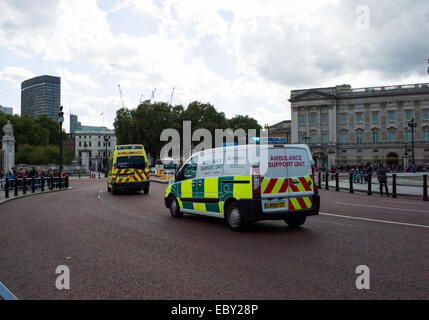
361,175
382,179
333,172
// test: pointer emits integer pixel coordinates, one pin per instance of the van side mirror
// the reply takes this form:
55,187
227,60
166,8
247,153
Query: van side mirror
178,175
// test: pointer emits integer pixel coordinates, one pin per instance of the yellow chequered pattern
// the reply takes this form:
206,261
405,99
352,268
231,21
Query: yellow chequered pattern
300,203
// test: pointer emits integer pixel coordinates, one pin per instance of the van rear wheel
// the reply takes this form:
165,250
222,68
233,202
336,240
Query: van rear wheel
174,208
234,218
295,222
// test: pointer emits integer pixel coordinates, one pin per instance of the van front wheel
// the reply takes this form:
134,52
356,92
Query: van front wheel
234,218
295,222
174,208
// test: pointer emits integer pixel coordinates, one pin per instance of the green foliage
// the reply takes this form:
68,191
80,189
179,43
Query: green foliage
145,124
244,122
37,140
28,154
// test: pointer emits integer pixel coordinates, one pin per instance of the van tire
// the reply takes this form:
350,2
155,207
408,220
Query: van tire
174,208
146,190
295,222
108,189
234,218
114,191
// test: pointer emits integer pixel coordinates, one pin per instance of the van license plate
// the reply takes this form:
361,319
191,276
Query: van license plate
275,205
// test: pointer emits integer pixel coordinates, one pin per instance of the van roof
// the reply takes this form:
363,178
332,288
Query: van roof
130,145
228,148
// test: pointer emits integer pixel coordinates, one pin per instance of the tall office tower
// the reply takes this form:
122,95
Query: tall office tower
41,95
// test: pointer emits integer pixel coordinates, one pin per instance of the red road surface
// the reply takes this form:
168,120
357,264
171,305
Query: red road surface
129,247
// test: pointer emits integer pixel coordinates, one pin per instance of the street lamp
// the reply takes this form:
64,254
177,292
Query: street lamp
61,120
106,139
412,126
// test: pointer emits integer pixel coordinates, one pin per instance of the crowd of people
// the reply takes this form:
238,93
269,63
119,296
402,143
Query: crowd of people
373,168
363,174
29,173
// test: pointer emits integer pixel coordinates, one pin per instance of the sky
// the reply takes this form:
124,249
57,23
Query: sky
242,56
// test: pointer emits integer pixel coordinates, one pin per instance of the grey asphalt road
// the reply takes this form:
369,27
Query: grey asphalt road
129,247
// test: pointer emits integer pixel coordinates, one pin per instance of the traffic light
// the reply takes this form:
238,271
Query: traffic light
61,113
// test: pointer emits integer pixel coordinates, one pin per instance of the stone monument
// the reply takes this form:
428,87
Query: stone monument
8,145
85,157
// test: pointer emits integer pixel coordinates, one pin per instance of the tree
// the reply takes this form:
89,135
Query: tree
244,122
144,124
37,140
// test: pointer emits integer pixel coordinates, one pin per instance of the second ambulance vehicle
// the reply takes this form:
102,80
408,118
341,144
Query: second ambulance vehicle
128,169
247,183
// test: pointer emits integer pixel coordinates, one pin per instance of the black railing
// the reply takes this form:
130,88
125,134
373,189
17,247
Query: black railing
353,182
13,187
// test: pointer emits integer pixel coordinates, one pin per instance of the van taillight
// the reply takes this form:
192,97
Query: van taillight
313,174
256,180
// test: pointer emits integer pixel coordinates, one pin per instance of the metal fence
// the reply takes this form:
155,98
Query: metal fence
14,187
369,183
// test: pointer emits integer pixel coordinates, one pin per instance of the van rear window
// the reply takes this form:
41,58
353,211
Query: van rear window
134,162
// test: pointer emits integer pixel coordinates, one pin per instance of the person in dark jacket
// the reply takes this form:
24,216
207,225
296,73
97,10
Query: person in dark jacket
382,179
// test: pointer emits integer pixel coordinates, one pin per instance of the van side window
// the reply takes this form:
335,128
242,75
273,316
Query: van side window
190,168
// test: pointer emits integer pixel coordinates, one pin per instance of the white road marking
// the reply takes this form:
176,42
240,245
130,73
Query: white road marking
374,220
5,293
421,203
378,207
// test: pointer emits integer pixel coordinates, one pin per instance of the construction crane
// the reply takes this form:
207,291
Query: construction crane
153,95
171,97
122,97
141,99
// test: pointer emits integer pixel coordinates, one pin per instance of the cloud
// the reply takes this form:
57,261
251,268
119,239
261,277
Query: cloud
78,79
274,47
15,74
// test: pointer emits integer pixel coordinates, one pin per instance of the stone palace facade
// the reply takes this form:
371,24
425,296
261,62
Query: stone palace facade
346,126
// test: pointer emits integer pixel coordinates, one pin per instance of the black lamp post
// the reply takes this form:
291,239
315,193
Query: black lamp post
61,120
106,139
412,126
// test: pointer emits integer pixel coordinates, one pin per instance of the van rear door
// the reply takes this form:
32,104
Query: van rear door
274,178
301,180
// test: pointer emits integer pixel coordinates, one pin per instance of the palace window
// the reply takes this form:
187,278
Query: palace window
324,119
391,115
359,117
425,114
375,116
409,135
301,120
426,135
408,115
392,137
313,119
344,137
313,138
359,137
344,118
375,136
324,138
